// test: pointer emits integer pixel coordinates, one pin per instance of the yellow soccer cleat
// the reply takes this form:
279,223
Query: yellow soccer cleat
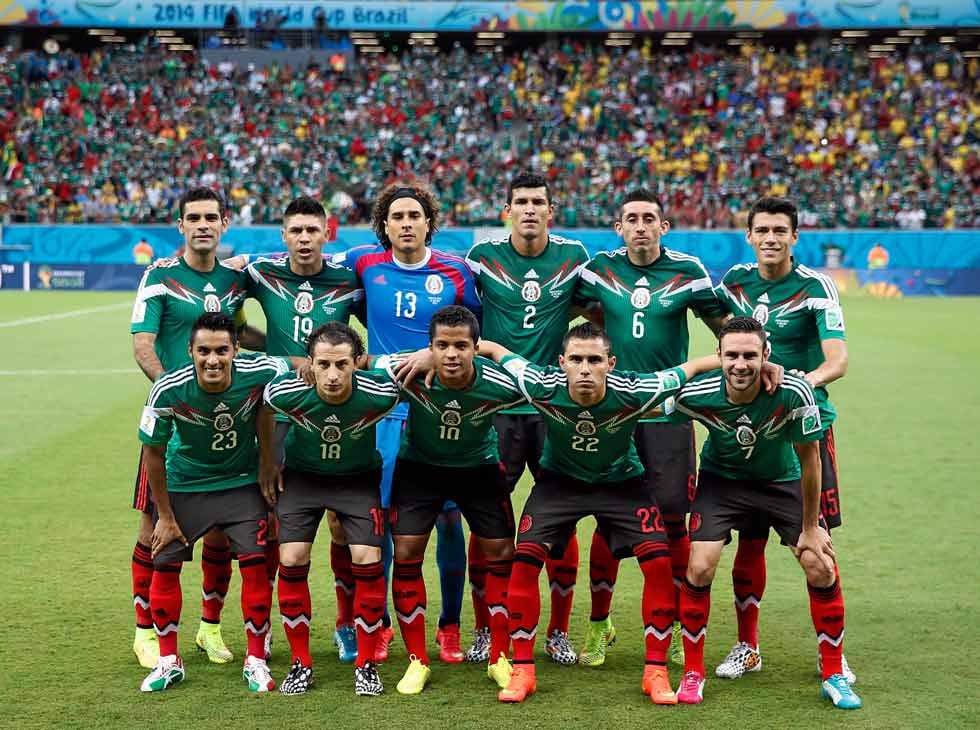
500,671
146,647
416,677
209,641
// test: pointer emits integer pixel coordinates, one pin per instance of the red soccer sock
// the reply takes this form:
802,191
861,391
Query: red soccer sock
369,608
166,599
658,599
215,576
343,582
562,574
498,578
749,583
272,560
296,610
603,570
524,599
695,607
408,590
142,568
679,543
256,597
478,583
827,611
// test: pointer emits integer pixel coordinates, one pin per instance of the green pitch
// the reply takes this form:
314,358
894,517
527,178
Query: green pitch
70,398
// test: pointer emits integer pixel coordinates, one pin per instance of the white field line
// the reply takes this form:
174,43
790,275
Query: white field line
55,373
64,315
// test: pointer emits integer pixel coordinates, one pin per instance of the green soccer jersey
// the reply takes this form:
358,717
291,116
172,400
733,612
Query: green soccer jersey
753,441
448,427
645,307
333,439
593,443
172,296
210,437
527,299
295,305
798,311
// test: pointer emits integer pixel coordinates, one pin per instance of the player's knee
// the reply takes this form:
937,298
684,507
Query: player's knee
818,574
496,549
216,539
701,569
292,554
144,531
364,554
410,547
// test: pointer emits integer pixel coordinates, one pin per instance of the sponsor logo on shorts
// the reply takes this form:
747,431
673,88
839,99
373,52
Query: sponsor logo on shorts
303,303
531,291
212,303
434,284
526,522
640,298
224,422
695,523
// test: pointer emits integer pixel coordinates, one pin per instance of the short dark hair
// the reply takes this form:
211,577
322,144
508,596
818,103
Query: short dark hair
416,190
304,205
744,325
640,195
528,180
195,194
587,331
455,316
774,206
335,333
215,322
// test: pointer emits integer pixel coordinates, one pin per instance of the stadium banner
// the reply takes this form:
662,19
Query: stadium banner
520,15
718,250
15,276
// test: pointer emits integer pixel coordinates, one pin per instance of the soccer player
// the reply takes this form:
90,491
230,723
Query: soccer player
199,431
643,292
800,310
449,453
331,463
761,462
405,282
526,282
590,467
298,294
171,297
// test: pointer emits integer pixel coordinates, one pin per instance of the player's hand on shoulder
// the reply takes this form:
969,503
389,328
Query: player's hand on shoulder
413,365
165,532
304,371
772,376
238,263
163,263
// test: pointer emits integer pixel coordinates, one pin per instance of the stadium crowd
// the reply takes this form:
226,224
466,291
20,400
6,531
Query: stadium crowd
116,135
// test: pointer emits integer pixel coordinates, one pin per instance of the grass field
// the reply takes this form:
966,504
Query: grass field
909,453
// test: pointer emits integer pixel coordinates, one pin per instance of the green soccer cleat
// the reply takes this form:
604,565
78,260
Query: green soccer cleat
677,647
838,691
146,646
602,634
168,672
209,641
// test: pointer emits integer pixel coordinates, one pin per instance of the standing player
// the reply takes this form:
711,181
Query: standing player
405,282
331,463
590,467
643,292
198,430
449,452
171,297
526,282
801,312
297,295
750,473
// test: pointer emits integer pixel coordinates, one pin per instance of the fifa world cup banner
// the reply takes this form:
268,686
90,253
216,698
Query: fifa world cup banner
594,15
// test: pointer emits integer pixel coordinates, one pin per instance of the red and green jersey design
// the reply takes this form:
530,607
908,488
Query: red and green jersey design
753,441
593,443
172,296
333,439
527,299
210,437
798,311
295,305
645,307
448,427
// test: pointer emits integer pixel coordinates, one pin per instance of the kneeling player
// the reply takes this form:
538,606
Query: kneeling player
590,467
449,453
331,463
205,417
749,473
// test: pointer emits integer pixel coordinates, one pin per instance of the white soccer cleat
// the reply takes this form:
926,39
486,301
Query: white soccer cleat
741,659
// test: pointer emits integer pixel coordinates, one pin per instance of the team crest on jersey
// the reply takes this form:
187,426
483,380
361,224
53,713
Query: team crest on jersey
303,302
531,291
212,303
585,428
224,422
331,434
745,435
434,284
451,418
761,314
640,298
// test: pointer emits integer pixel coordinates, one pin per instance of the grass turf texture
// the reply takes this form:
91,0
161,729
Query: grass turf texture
908,460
